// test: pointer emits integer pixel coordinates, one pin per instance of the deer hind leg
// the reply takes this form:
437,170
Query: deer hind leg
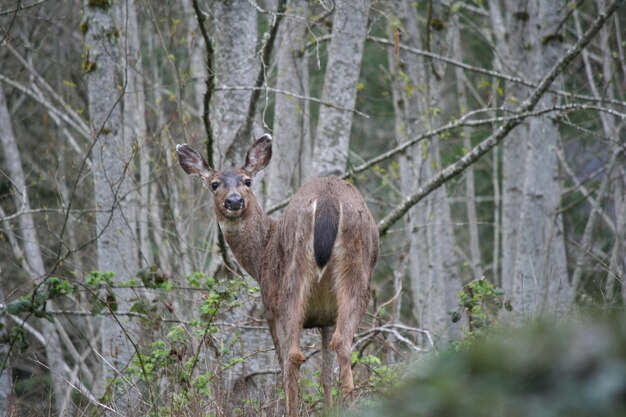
327,366
352,300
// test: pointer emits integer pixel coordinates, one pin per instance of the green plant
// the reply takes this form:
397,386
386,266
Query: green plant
480,301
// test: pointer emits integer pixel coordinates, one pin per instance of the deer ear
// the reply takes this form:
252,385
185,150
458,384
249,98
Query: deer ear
192,162
259,155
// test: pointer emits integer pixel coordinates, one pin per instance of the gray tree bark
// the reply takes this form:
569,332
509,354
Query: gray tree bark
432,265
31,250
470,194
290,120
541,281
512,30
134,126
112,158
236,65
330,151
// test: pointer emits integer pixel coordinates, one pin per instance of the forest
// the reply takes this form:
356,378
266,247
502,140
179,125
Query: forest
488,138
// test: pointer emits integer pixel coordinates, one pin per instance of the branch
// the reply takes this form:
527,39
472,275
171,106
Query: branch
294,95
462,122
504,129
19,7
210,81
491,73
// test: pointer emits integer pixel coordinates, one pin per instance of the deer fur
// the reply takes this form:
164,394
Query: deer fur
313,265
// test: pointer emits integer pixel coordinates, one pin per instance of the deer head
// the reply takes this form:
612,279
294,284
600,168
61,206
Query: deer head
231,188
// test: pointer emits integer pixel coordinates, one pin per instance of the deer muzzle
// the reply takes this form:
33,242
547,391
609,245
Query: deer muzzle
234,202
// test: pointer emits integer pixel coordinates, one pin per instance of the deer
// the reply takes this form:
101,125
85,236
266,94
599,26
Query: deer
313,265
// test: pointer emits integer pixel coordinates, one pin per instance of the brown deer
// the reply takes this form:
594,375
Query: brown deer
314,265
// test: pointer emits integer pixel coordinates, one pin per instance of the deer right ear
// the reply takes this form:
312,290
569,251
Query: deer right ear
192,162
259,155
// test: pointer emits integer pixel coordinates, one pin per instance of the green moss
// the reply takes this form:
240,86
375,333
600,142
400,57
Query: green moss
437,24
84,27
113,35
88,66
521,15
556,37
101,4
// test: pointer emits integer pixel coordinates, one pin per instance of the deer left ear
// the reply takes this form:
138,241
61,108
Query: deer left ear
259,155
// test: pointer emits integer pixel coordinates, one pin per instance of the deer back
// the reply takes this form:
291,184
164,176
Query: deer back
326,240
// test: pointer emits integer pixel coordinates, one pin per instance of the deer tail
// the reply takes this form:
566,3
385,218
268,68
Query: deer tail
325,230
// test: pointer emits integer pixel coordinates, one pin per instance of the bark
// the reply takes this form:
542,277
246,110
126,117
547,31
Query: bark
176,258
470,194
112,158
408,77
443,242
330,152
541,281
432,265
512,56
290,114
31,249
235,65
134,126
195,44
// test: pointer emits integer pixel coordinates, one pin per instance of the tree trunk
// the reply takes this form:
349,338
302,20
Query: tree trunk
470,194
511,51
290,115
236,65
330,152
541,281
134,126
434,280
112,158
32,249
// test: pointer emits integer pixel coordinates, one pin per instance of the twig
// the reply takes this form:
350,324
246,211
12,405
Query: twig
20,8
294,95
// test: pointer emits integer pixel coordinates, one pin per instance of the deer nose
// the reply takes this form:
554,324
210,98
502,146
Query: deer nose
233,202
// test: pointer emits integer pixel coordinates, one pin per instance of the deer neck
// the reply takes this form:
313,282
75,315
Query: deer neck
248,236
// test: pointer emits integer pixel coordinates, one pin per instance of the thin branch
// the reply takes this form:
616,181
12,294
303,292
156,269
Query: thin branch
462,122
504,129
491,73
20,8
210,81
294,95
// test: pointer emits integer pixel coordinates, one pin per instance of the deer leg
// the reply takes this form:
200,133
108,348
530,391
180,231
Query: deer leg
292,356
327,366
352,305
275,339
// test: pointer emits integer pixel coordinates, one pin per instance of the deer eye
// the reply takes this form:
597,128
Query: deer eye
214,185
247,182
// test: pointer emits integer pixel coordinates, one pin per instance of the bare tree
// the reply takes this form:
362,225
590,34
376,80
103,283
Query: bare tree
291,121
30,252
540,278
332,137
112,159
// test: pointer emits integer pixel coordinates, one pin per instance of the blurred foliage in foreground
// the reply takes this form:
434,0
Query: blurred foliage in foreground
546,370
